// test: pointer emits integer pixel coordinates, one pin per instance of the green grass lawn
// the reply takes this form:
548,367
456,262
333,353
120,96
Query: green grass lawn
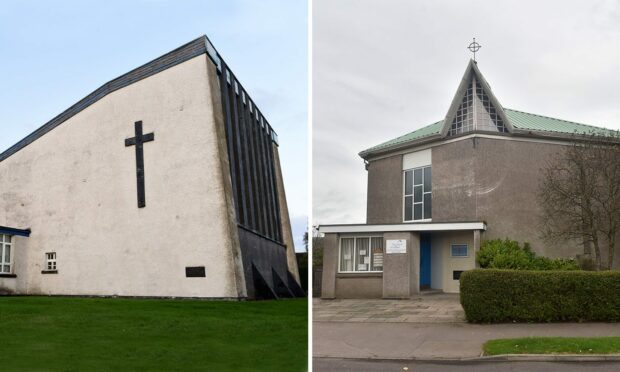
97,334
553,345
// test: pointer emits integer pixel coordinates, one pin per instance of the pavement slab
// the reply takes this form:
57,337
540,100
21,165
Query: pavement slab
407,340
431,308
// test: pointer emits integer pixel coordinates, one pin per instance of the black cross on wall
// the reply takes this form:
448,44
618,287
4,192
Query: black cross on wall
139,141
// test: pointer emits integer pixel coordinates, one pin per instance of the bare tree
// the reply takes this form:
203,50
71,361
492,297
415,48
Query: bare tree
580,195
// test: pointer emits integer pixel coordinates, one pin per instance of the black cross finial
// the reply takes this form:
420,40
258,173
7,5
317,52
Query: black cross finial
474,47
139,141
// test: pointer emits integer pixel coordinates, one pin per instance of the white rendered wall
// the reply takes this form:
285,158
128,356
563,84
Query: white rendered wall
442,241
75,187
417,159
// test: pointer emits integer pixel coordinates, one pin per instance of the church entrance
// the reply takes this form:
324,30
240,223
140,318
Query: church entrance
425,261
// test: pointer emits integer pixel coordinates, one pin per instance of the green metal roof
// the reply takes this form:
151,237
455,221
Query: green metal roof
519,119
426,131
526,121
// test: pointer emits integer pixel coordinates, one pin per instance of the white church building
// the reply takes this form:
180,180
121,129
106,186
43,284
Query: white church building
164,182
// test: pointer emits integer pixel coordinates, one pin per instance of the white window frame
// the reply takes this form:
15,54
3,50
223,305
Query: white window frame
412,170
3,246
451,252
355,253
52,261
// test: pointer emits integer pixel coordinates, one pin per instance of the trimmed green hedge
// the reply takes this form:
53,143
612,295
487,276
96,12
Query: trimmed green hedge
493,296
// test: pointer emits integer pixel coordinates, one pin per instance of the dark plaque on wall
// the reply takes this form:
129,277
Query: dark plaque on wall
456,275
195,272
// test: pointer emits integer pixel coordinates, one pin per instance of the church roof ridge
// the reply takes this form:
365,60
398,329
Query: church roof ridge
520,119
200,45
170,59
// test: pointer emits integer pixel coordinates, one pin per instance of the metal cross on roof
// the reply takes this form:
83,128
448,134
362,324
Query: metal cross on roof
474,47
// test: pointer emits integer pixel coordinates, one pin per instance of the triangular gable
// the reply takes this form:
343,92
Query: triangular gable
475,107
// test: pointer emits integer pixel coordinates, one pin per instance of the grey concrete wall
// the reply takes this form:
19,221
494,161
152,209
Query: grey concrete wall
414,262
398,270
454,182
266,255
330,266
359,286
285,221
479,179
401,271
230,216
508,175
385,187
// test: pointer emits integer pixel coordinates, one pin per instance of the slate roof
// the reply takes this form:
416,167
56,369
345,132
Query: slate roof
520,120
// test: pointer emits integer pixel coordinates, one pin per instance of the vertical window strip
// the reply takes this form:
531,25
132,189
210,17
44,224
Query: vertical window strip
232,126
261,176
249,138
268,183
5,254
245,159
276,204
418,194
408,195
347,246
225,87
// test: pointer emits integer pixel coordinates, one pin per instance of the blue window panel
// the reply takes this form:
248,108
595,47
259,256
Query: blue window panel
459,250
417,176
408,183
427,179
417,211
408,208
417,194
428,200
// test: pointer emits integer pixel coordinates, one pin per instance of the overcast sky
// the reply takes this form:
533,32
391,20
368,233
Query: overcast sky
385,68
53,53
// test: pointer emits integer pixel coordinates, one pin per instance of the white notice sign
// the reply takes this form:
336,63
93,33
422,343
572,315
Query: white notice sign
396,246
378,259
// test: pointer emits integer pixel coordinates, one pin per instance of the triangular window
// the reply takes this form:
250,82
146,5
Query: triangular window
476,112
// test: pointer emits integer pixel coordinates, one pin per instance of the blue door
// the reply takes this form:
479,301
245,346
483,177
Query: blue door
425,261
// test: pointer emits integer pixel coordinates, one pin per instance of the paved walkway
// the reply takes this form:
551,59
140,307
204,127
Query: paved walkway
429,308
429,341
344,365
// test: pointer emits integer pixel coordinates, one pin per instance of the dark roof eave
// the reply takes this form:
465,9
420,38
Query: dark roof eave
179,55
14,231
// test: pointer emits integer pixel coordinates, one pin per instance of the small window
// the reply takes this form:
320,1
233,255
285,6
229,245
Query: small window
459,250
456,275
5,254
50,261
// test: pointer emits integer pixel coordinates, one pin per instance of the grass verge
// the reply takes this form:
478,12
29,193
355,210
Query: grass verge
553,345
104,334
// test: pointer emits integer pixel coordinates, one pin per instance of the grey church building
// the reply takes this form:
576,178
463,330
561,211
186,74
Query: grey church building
435,193
163,182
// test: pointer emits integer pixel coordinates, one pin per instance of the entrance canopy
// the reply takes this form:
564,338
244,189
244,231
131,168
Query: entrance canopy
14,231
397,227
